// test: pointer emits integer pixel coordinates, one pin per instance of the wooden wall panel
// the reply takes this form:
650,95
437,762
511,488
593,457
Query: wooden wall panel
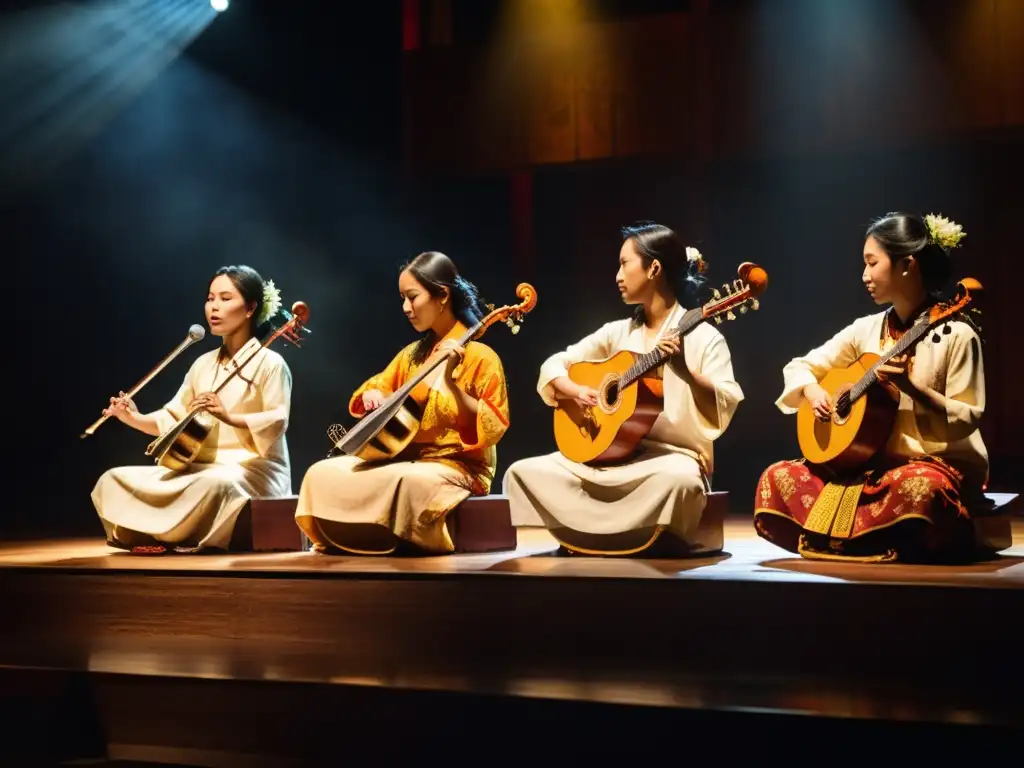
923,71
1009,40
653,87
594,87
551,113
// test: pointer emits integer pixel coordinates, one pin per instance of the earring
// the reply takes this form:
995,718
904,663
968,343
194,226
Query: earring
905,274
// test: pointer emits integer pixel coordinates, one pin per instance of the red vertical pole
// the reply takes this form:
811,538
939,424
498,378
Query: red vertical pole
521,204
702,150
410,25
410,43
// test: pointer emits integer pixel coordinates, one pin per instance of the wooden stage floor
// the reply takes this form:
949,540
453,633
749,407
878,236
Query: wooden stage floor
244,651
746,558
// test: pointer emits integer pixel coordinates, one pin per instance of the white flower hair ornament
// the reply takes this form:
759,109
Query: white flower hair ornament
943,231
271,303
693,256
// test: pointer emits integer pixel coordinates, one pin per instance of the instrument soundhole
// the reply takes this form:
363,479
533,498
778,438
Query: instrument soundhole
841,410
612,393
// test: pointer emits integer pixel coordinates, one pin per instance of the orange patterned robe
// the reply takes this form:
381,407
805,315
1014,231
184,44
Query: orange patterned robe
908,512
371,508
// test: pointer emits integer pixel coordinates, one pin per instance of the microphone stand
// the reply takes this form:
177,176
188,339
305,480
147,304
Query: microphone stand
195,334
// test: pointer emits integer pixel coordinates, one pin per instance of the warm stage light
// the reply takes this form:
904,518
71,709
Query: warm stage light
219,5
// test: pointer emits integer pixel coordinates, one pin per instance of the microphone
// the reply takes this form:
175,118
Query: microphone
195,333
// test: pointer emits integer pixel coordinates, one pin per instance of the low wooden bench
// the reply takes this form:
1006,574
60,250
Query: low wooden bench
482,524
479,524
268,525
992,521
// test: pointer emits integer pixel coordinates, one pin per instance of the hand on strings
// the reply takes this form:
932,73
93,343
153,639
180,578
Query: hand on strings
122,408
372,400
670,343
896,371
586,397
210,402
820,402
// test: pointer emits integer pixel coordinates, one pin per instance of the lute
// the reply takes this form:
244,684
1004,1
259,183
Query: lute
628,403
186,442
386,431
863,415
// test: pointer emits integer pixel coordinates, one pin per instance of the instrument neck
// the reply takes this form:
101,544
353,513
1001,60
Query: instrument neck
651,360
247,359
430,366
906,341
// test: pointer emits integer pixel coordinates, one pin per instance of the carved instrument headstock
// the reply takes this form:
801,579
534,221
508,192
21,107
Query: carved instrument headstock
958,307
512,314
295,325
740,295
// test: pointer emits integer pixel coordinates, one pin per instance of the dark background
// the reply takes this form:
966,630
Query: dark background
325,145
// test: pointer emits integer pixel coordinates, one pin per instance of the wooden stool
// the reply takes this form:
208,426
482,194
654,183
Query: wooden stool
710,534
268,525
992,528
482,524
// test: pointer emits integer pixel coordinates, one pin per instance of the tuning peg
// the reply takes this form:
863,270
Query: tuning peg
755,305
729,315
718,319
743,309
715,294
727,288
515,329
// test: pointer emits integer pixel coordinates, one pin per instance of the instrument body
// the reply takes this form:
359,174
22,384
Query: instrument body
621,420
863,408
385,432
187,441
851,439
629,402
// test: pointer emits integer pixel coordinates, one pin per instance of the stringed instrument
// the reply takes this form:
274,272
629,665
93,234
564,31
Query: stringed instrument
863,415
185,443
387,430
629,404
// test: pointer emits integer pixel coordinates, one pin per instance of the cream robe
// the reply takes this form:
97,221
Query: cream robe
198,507
952,366
619,508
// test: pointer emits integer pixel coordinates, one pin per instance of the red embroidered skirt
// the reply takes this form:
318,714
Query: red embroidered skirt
911,512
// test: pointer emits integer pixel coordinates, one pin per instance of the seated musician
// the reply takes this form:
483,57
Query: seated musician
153,510
349,505
623,508
911,500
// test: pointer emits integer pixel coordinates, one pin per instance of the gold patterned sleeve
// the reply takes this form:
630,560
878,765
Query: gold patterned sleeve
387,381
487,384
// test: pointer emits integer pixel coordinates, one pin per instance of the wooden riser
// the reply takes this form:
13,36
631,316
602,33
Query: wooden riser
429,626
238,724
283,654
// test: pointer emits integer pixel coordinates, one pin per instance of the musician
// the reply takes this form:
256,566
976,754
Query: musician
624,508
375,508
911,502
153,510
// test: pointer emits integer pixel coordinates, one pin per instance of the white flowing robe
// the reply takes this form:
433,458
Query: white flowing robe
621,507
952,366
198,507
